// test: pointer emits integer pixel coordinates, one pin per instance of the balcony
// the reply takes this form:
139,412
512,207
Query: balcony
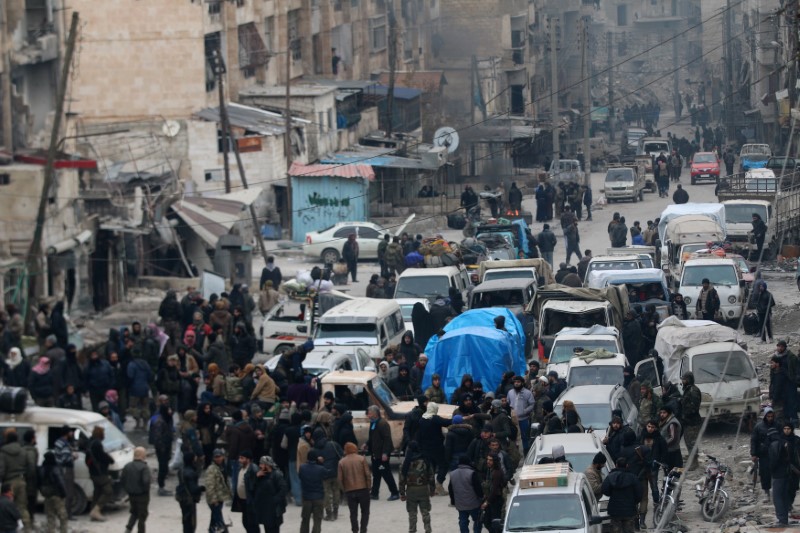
38,48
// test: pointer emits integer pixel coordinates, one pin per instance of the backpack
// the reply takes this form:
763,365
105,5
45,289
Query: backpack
234,392
419,472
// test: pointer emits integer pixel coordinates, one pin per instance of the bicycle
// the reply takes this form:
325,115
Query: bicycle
667,506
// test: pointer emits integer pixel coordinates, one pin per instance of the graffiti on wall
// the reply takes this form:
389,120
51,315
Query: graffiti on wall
325,210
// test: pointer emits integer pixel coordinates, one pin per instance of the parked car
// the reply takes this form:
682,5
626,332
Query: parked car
594,404
704,166
327,243
568,340
624,183
320,362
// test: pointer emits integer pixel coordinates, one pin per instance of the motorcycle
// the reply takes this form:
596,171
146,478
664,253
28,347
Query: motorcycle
714,500
667,506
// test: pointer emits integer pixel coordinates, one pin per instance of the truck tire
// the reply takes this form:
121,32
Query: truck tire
641,195
635,198
79,500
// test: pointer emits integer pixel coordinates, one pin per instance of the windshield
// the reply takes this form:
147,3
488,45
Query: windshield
367,332
716,274
595,416
541,512
656,147
114,439
564,349
555,320
743,213
705,158
755,149
508,298
619,175
406,310
708,368
579,461
383,392
613,265
422,287
504,273
595,375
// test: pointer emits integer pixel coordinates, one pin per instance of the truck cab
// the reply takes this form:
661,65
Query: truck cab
572,341
565,170
431,283
559,314
725,277
754,156
739,217
624,183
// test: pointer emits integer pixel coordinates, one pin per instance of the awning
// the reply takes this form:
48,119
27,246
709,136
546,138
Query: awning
332,171
212,217
63,160
69,244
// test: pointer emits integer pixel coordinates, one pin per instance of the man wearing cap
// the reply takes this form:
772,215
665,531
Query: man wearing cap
764,434
312,477
594,474
380,448
241,504
135,480
670,429
355,478
784,463
522,403
707,302
218,490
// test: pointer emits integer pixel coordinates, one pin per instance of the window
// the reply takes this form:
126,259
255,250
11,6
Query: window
215,175
221,142
321,120
214,7
622,15
377,32
294,35
252,51
269,31
368,233
5,179
343,232
213,44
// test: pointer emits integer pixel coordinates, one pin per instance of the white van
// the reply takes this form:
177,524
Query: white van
615,262
724,276
432,282
604,368
360,325
47,423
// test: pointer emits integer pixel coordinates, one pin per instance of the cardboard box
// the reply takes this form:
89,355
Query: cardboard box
546,475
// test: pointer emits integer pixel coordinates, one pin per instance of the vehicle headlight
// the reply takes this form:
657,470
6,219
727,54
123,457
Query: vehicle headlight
705,397
754,392
731,299
687,299
730,313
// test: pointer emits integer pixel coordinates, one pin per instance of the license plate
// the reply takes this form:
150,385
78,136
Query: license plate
704,176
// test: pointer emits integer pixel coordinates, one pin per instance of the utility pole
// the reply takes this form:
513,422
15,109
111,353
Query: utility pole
392,69
219,71
554,87
287,117
587,100
472,75
611,121
728,107
777,72
35,252
676,95
5,78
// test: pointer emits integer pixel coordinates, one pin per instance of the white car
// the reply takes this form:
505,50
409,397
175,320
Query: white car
323,360
407,306
594,404
327,244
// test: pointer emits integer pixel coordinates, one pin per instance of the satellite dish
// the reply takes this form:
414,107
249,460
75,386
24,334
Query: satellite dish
170,128
446,137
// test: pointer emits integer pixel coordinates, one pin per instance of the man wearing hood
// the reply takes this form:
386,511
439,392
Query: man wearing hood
624,492
441,312
343,431
522,403
290,365
401,386
58,325
615,436
764,304
430,441
764,434
466,386
418,372
690,414
456,442
330,452
784,463
170,313
639,464
355,479
243,345
409,348
15,467
417,486
782,390
69,372
632,337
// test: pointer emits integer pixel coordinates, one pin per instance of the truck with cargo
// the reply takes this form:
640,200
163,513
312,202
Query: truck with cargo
687,224
536,269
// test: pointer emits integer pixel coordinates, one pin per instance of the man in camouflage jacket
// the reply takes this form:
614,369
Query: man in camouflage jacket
690,414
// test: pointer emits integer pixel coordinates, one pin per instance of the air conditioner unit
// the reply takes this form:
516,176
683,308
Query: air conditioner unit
436,156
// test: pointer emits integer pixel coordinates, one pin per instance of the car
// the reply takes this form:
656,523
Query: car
597,369
569,339
594,404
781,163
327,243
323,360
550,497
614,262
754,156
704,166
407,306
47,422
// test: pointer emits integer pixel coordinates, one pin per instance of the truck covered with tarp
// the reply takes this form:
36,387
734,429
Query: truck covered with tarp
472,345
544,272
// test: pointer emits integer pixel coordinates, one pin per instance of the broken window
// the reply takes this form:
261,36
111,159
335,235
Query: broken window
252,50
213,44
377,32
294,35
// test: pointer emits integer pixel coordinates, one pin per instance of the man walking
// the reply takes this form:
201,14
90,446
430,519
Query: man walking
764,434
417,485
379,445
547,242
188,492
522,403
136,482
466,493
160,436
217,490
312,475
65,459
690,415
356,479
784,461
241,502
573,239
51,485
764,304
350,255
624,492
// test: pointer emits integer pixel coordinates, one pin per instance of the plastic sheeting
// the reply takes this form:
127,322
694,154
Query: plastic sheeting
675,336
472,345
713,211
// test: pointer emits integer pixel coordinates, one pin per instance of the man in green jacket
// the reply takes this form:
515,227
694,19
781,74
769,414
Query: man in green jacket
218,491
136,482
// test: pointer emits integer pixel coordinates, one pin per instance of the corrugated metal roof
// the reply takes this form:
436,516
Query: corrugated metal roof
299,170
424,80
376,157
401,93
251,119
210,218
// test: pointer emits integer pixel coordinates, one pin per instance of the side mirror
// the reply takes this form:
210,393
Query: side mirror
497,525
742,283
302,329
595,520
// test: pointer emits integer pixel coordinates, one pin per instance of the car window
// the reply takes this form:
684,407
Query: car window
343,232
384,338
365,232
693,275
588,499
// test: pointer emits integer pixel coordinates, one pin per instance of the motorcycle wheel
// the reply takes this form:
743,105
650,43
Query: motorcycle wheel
665,508
715,506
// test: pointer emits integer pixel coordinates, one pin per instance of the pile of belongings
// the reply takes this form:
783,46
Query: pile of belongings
305,283
438,252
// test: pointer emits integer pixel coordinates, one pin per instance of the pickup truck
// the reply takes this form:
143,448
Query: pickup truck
536,269
624,183
360,389
754,156
565,170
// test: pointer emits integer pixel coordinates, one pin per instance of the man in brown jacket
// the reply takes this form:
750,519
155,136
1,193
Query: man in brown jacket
380,447
356,480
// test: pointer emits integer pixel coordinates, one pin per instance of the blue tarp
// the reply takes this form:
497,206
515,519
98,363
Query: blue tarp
472,345
523,238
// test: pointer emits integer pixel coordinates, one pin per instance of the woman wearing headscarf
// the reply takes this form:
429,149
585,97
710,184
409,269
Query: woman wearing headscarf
40,383
421,320
570,418
210,427
17,369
